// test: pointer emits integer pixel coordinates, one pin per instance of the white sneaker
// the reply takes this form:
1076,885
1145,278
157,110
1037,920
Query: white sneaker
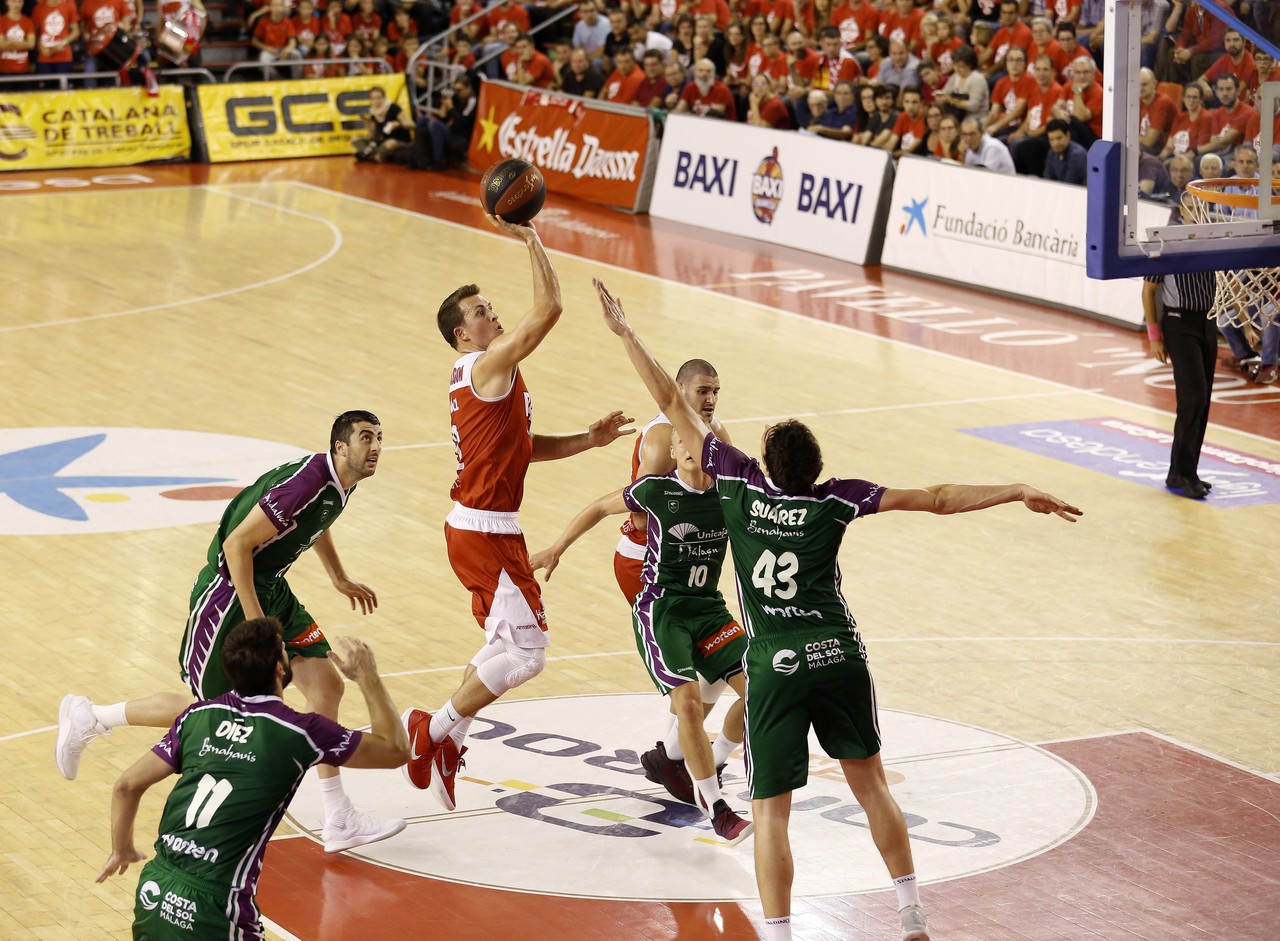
356,828
77,727
914,926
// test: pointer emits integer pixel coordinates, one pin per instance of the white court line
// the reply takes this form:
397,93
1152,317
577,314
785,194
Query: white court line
955,357
88,318
276,929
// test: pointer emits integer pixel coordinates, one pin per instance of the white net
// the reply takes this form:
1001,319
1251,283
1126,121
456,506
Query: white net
1246,297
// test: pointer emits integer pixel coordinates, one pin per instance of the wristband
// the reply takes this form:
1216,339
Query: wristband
1153,331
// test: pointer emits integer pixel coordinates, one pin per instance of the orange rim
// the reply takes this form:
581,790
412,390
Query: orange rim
1210,191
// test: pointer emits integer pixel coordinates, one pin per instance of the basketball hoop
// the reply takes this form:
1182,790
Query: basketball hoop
1248,296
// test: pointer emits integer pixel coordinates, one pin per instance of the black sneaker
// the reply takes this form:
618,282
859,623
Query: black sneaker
671,774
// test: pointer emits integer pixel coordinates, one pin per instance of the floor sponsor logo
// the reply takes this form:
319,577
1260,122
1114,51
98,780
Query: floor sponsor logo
57,481
1140,453
564,775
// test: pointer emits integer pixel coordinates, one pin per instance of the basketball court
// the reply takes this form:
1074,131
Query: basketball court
1079,719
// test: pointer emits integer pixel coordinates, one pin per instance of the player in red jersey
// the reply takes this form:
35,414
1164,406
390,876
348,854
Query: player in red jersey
491,419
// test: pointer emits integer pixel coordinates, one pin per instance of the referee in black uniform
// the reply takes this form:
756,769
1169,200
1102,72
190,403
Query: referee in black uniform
1185,337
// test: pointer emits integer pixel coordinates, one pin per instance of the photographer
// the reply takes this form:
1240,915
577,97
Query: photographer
442,138
387,130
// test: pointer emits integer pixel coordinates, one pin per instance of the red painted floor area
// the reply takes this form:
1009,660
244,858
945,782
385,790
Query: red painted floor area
1181,847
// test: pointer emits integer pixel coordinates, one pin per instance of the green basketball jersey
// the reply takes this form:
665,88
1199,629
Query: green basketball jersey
301,498
686,537
241,760
785,548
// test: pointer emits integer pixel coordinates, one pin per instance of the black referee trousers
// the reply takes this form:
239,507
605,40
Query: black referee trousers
1191,340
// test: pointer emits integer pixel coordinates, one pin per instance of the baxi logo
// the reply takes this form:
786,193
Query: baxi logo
915,217
786,662
56,481
766,188
564,774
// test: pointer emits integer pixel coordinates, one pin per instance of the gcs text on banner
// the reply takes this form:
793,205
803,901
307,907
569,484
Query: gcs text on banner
781,187
596,151
312,118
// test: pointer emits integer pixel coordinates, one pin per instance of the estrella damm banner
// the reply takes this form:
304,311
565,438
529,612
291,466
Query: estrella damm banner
307,118
91,127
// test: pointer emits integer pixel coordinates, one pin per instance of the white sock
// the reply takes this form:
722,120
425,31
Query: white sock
908,891
674,751
722,748
709,788
459,733
445,720
110,717
777,929
334,797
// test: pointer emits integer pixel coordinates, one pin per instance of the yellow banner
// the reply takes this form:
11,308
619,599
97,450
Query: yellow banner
307,118
95,127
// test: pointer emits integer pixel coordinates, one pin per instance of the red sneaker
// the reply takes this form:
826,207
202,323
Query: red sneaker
422,751
447,762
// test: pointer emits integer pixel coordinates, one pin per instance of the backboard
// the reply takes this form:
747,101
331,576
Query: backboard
1120,244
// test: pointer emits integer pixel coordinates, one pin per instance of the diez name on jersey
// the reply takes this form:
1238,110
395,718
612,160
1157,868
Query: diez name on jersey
776,514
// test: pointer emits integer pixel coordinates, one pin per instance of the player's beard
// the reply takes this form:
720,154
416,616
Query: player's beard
704,85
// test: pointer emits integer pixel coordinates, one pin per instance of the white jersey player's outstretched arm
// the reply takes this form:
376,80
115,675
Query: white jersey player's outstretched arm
687,423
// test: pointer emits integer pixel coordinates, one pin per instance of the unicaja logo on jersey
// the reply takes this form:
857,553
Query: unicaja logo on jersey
683,530
786,662
766,188
149,895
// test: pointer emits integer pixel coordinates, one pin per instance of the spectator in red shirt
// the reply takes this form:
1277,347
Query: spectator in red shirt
1191,127
337,26
477,29
1081,103
802,62
1237,61
624,82
1199,43
857,21
1009,98
834,64
764,107
274,38
705,95
718,10
367,23
902,23
1040,102
508,12
306,27
99,20
941,50
654,87
1012,32
1156,112
1228,122
17,39
771,61
57,27
910,128
1043,44
529,66
401,25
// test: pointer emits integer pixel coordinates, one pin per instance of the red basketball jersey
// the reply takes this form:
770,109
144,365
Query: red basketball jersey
632,543
492,439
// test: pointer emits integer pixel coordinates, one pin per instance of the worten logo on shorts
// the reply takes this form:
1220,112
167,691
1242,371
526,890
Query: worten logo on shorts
786,661
56,481
564,774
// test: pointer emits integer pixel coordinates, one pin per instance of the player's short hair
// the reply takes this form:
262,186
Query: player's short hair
792,457
1064,26
449,318
250,654
346,423
694,368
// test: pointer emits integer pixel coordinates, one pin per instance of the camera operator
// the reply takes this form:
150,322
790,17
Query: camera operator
387,129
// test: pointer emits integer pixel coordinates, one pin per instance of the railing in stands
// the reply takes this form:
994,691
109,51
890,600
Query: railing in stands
289,65
64,82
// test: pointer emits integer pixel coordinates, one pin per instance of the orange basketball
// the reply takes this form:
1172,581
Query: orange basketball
513,190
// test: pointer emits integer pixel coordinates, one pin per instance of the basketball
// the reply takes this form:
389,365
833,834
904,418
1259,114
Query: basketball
513,190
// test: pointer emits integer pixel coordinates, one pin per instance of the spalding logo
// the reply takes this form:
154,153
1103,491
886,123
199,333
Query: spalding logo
766,188
786,662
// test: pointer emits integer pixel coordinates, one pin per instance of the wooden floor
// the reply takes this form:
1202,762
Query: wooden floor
1137,646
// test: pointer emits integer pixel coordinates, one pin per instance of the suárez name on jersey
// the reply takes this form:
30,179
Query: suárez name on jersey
776,514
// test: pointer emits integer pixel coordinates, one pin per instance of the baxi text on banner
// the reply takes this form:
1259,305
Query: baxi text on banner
311,118
1014,235
100,127
596,151
781,187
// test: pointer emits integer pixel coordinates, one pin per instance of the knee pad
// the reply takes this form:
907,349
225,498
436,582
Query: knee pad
510,668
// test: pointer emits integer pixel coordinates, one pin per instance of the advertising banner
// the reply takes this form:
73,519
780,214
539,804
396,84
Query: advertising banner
1011,234
594,152
782,187
312,117
92,127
